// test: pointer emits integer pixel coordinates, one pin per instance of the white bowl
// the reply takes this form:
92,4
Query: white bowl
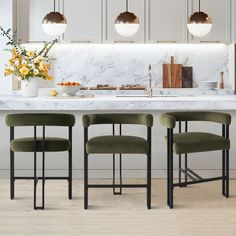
208,85
69,90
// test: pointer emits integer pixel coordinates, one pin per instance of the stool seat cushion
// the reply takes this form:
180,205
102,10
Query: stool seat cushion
199,142
52,144
117,144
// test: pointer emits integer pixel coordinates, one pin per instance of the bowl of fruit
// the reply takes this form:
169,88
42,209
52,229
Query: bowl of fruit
69,88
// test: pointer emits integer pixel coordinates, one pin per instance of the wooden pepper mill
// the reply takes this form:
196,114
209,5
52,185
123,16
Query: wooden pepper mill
221,82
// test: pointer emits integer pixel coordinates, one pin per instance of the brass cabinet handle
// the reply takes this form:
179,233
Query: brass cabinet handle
128,41
210,41
80,41
35,41
166,41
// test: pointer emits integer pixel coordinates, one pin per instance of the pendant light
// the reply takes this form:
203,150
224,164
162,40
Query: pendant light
127,23
54,23
199,23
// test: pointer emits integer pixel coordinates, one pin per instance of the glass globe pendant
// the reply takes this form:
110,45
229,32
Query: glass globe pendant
127,23
54,23
199,23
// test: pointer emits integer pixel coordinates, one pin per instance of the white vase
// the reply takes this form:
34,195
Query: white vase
30,87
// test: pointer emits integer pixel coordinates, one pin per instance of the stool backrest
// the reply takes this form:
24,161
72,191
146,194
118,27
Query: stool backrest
40,119
169,119
140,119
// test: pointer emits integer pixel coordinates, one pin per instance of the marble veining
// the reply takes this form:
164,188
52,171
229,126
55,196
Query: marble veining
113,64
113,103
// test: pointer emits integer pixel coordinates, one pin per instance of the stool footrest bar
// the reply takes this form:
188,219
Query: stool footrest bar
39,178
198,181
117,186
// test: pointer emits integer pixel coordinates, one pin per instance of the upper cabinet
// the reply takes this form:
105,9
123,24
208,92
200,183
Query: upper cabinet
233,22
112,8
30,14
161,21
84,20
166,21
219,11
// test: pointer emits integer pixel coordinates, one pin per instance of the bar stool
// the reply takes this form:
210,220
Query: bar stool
40,144
193,142
117,144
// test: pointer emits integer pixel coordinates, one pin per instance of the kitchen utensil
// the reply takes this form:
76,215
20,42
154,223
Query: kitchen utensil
172,75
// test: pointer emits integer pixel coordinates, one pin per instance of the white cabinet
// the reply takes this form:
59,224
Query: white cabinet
219,11
30,14
233,21
112,8
84,20
166,21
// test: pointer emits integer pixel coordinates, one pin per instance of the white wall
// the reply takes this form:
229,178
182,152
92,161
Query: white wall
6,21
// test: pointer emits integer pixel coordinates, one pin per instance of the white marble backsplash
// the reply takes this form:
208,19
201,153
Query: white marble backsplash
118,64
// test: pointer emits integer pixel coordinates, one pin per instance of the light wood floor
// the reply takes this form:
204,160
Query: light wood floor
199,210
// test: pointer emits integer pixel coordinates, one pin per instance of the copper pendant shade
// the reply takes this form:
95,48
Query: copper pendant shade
54,23
127,18
199,23
54,18
200,18
127,23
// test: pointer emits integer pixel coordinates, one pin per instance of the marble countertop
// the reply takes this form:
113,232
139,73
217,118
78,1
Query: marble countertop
113,103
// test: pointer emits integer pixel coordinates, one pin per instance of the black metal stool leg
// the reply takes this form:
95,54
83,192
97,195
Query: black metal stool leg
114,165
85,169
170,168
223,172
180,167
186,169
35,180
35,171
149,183
12,167
12,175
70,165
227,174
85,181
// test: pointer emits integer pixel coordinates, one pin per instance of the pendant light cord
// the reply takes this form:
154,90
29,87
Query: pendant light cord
199,5
54,5
127,5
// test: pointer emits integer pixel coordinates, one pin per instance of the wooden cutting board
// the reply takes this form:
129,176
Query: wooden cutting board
172,75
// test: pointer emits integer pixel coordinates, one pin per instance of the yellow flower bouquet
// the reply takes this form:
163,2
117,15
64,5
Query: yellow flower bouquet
26,64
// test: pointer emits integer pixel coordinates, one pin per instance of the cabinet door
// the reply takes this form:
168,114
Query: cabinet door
84,20
29,19
219,11
166,21
233,22
112,8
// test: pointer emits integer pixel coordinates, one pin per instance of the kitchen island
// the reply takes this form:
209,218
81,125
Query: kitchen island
209,165
119,103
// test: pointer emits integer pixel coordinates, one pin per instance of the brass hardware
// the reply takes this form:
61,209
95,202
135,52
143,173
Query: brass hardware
32,41
80,41
211,41
166,41
117,41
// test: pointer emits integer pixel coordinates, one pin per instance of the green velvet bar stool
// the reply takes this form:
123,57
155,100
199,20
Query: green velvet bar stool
41,144
183,143
117,144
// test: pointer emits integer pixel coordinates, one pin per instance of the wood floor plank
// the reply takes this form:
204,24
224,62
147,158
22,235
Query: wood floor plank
199,210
